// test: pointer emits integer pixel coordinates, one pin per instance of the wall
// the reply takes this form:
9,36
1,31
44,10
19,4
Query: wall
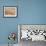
7,25
29,12
32,11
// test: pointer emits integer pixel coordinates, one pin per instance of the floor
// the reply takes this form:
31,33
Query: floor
30,43
7,45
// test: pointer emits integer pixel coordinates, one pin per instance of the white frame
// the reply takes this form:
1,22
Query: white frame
10,7
18,33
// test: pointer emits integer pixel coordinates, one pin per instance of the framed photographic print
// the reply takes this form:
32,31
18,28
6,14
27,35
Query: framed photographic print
33,32
10,11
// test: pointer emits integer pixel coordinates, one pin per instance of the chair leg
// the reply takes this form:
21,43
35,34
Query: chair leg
8,43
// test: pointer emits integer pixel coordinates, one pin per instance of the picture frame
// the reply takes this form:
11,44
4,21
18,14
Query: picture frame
39,28
10,11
